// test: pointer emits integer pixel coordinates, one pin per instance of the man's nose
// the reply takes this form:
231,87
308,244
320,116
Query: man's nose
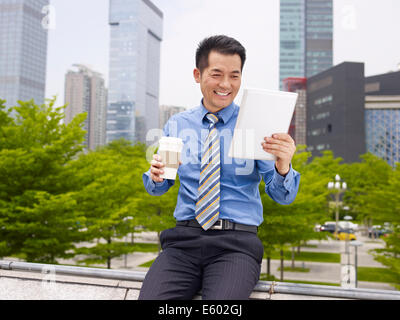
225,83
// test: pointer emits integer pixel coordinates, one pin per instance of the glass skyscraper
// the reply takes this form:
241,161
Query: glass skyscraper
23,50
382,116
306,37
133,100
382,127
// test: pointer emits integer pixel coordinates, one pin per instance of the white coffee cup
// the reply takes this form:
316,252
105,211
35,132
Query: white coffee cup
170,149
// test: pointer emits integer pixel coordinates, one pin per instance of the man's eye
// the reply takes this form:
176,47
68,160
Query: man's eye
216,75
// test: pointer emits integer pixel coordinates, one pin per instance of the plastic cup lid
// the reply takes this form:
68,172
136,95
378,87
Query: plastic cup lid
171,140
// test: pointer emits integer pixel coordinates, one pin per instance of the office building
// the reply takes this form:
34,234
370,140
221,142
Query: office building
85,92
134,69
306,38
335,112
382,127
23,51
297,128
383,84
382,116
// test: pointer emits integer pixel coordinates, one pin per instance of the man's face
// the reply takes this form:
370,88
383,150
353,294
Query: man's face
220,81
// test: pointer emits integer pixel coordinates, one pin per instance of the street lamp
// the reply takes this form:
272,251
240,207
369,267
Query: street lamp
339,189
347,218
356,244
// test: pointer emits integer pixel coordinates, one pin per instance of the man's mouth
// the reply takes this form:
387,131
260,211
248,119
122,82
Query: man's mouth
222,94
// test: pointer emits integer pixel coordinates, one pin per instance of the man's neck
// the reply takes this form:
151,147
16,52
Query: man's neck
213,109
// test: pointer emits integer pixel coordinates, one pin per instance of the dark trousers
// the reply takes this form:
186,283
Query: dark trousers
222,264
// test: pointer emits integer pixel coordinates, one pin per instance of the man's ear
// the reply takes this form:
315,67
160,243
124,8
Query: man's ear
196,75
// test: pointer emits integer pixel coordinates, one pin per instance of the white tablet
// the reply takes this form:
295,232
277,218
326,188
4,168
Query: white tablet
262,113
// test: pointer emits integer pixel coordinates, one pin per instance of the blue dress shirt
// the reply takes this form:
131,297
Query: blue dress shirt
240,200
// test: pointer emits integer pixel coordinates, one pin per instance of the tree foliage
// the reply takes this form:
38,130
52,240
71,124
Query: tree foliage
36,207
108,195
294,224
384,205
58,200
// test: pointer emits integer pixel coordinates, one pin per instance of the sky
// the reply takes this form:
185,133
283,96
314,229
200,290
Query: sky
364,31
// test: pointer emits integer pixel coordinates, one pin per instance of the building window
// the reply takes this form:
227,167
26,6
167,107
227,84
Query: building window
320,116
316,132
323,100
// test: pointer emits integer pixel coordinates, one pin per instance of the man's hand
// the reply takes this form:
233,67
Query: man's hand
283,147
156,168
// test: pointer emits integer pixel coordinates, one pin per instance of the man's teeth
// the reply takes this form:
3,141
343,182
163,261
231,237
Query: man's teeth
221,93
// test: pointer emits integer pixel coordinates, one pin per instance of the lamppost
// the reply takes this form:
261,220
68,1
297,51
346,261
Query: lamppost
339,189
356,244
347,218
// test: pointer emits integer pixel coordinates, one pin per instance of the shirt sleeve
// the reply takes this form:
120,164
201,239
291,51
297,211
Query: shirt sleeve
282,190
157,188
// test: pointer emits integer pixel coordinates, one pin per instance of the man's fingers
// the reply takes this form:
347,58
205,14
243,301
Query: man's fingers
275,146
155,174
279,138
156,178
156,171
157,164
156,168
282,136
272,141
276,152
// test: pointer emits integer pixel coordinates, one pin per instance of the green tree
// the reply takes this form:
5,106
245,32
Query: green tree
294,224
36,215
363,178
108,197
385,203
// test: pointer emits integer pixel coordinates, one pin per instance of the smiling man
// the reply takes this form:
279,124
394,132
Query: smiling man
219,79
214,246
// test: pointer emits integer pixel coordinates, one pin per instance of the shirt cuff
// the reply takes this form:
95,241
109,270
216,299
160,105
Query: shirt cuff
156,184
284,181
150,185
159,184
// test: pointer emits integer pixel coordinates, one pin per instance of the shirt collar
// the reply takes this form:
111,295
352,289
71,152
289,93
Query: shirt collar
225,114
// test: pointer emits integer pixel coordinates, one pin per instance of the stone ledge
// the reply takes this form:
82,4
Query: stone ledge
22,280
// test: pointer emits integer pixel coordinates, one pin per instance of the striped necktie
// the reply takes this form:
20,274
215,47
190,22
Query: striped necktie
207,206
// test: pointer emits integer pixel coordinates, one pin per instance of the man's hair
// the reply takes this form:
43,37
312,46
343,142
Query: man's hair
221,44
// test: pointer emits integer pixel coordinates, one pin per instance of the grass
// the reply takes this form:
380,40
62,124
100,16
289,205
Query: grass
295,269
145,247
314,282
308,256
376,275
147,264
